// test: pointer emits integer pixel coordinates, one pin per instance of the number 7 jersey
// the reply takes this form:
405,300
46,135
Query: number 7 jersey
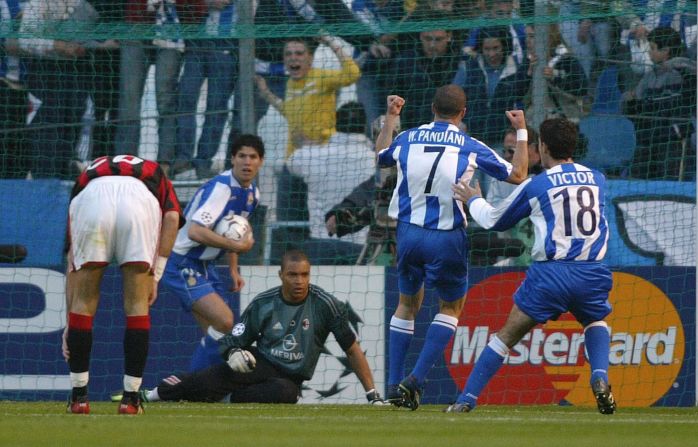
430,159
566,206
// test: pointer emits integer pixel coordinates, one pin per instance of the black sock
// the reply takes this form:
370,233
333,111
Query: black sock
135,351
80,346
79,392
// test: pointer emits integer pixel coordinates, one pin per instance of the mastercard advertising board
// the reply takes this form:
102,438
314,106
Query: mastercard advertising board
652,355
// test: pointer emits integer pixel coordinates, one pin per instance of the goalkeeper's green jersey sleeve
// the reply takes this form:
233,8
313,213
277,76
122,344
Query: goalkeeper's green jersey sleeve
291,336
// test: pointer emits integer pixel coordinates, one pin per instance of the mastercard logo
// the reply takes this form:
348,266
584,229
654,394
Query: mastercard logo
549,364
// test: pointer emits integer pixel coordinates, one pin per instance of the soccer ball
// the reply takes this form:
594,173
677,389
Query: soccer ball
233,227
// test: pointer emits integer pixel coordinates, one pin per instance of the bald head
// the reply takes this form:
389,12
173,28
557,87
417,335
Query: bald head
449,101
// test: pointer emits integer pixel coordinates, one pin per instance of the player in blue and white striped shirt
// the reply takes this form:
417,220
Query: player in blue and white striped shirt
566,206
432,246
190,273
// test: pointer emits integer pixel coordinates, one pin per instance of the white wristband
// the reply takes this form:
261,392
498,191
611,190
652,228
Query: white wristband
159,267
521,135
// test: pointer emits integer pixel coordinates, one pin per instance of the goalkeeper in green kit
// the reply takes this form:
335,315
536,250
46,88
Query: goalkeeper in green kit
289,324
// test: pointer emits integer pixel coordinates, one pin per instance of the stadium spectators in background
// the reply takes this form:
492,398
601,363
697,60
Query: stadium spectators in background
190,273
13,99
567,84
309,107
662,106
588,39
640,17
367,206
274,369
121,208
500,10
376,59
493,83
104,71
214,60
568,274
58,75
431,237
419,71
513,246
165,52
330,172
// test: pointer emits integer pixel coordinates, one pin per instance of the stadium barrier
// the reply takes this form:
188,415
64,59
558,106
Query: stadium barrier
653,354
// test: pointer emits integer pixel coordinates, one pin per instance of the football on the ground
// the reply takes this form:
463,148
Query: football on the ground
233,227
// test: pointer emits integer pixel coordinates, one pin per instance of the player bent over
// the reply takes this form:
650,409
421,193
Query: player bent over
289,324
566,206
120,208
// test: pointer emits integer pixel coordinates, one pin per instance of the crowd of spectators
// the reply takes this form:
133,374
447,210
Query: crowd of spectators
50,79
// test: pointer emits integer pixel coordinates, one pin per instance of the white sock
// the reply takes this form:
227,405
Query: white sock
152,395
78,380
132,384
214,334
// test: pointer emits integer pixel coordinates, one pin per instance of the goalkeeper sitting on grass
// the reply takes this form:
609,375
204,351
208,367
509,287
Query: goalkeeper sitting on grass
289,324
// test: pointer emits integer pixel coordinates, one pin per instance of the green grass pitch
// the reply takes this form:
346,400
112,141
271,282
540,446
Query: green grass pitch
208,425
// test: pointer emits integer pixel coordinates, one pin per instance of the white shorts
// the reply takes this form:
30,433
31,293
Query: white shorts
114,217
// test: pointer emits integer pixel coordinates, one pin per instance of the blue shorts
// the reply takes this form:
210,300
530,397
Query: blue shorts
191,279
437,257
555,287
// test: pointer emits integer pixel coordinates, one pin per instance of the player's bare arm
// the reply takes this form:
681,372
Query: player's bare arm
238,282
358,362
519,172
168,234
392,118
463,191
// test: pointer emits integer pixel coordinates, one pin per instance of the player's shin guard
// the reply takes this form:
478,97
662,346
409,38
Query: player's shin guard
401,332
597,345
136,339
485,368
438,335
80,346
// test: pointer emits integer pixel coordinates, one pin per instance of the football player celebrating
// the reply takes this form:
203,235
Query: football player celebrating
566,205
122,208
190,273
432,245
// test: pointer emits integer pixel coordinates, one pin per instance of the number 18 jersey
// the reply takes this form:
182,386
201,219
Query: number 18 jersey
566,205
430,159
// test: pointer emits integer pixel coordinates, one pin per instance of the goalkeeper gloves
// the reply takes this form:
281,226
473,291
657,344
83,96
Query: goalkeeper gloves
374,397
241,361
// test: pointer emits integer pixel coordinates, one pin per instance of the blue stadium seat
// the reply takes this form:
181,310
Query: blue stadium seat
607,97
611,142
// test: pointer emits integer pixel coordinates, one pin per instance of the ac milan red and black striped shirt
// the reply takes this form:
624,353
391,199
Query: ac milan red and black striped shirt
149,172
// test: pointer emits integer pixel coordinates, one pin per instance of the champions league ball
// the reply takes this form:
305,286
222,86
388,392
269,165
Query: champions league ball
233,227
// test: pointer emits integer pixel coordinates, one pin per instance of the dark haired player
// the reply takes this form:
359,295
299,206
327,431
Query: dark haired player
288,325
190,273
566,205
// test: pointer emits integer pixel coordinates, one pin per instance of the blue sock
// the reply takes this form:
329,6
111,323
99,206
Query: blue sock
438,335
401,332
199,360
597,344
485,368
206,353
